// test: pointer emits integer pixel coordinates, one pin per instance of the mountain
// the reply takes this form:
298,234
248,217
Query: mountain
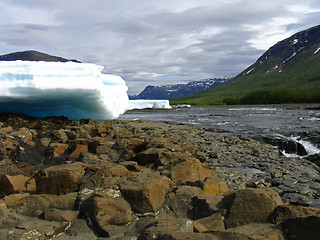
33,56
179,90
288,72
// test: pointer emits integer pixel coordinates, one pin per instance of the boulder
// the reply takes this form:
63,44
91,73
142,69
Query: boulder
25,134
214,185
16,184
11,200
80,148
302,228
61,179
285,212
36,205
206,205
252,206
190,170
145,191
53,214
180,200
58,149
173,228
107,210
103,175
60,135
9,148
251,231
150,158
215,222
4,212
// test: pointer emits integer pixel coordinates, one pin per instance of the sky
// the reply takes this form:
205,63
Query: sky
155,42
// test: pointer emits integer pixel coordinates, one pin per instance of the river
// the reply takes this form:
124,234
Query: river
299,124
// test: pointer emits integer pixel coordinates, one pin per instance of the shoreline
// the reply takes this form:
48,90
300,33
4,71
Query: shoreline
113,162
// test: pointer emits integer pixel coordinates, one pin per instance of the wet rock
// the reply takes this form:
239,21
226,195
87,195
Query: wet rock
145,192
252,206
315,158
61,179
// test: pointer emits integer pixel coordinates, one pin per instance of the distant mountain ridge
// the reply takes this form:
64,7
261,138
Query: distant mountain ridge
32,55
287,72
179,90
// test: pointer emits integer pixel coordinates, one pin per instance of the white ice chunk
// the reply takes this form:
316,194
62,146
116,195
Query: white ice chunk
295,41
317,51
75,90
151,104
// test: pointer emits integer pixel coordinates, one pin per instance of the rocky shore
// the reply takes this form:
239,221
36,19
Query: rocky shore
91,179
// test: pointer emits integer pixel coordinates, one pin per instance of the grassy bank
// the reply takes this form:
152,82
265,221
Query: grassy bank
265,96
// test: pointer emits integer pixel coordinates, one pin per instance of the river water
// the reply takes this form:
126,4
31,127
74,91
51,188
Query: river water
298,124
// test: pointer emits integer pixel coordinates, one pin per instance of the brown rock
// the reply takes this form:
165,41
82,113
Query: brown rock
150,157
214,185
206,205
285,212
61,179
4,212
251,231
16,184
60,135
36,205
45,141
79,149
145,192
103,175
6,129
12,200
9,148
180,200
190,170
212,223
104,211
175,229
252,206
53,214
260,231
307,228
58,148
25,134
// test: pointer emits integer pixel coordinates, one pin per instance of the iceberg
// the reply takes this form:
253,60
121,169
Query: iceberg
74,90
148,104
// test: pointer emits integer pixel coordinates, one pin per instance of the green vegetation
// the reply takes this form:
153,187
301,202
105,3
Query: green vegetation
296,81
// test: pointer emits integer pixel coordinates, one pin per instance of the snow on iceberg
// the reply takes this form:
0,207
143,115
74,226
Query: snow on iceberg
74,90
148,104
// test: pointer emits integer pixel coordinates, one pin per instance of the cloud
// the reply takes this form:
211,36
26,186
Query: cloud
150,42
